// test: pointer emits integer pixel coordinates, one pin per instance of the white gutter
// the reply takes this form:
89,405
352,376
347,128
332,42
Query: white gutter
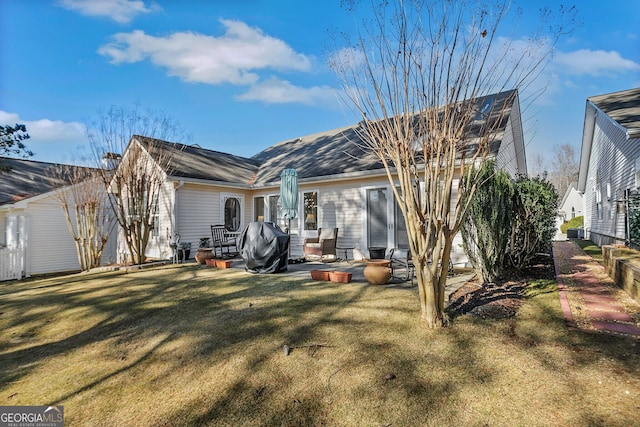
208,182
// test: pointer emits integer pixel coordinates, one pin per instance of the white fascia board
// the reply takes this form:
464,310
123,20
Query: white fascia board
587,142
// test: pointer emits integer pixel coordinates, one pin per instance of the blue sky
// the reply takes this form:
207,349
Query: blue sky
242,75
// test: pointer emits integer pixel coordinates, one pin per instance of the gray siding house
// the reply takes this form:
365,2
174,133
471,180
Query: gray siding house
609,175
340,185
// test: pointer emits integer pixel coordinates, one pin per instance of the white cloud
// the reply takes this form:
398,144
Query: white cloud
122,11
234,57
45,130
594,63
276,91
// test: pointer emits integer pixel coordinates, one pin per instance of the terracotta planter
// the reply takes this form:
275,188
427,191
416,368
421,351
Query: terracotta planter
210,262
320,274
203,254
377,271
340,276
220,263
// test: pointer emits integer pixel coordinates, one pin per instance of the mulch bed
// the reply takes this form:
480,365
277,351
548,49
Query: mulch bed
501,299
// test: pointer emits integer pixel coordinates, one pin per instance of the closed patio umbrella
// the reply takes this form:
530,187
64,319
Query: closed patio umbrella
289,196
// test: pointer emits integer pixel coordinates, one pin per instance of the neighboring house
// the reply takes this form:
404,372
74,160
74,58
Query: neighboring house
571,205
340,185
609,175
33,223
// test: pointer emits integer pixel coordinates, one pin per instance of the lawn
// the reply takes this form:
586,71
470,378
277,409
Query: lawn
187,346
590,249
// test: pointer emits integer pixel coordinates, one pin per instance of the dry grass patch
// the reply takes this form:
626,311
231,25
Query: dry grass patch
185,346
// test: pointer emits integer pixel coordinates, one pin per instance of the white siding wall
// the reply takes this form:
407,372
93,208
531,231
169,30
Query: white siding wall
573,203
612,162
199,207
506,158
158,246
50,247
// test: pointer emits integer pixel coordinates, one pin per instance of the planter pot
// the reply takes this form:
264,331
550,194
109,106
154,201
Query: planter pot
320,274
210,262
183,254
340,276
203,254
377,272
377,252
220,263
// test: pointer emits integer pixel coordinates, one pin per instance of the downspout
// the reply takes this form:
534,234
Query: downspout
174,224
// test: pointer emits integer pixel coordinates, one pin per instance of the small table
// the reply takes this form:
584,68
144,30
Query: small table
345,249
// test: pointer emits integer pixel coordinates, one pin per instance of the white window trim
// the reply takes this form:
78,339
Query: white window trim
223,200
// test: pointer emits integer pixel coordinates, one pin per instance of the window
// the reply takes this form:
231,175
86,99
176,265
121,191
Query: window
232,214
598,197
310,203
274,213
573,212
258,209
155,216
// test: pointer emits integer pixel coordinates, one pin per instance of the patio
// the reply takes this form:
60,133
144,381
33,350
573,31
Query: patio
303,269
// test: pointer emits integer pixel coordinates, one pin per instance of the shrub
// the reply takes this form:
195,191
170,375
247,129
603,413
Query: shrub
534,226
487,228
576,222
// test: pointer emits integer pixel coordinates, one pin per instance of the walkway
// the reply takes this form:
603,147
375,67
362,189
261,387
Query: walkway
590,300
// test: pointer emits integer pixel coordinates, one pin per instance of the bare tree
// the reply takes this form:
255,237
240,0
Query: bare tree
134,139
416,75
536,165
86,209
564,168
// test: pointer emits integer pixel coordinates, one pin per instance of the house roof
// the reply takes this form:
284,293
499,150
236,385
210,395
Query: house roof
335,152
623,107
194,162
338,151
341,150
22,179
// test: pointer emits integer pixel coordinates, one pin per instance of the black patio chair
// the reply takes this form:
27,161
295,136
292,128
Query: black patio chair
223,242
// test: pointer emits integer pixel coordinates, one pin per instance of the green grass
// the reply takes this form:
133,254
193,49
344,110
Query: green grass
590,249
188,346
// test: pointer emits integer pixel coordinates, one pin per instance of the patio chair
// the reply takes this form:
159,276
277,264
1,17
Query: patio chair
324,244
223,242
402,267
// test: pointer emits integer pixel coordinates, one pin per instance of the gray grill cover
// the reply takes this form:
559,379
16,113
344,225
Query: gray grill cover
264,248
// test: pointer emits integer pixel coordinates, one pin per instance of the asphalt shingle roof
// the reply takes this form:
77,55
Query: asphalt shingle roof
194,162
320,155
340,150
21,179
623,107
